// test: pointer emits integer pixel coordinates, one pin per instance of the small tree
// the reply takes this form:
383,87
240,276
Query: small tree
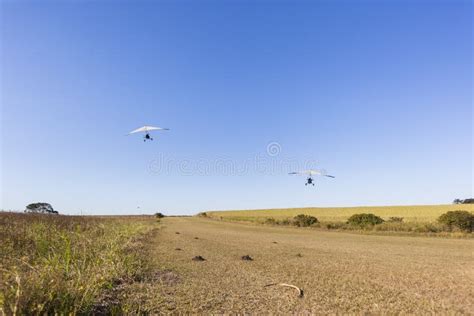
303,220
463,220
465,201
365,219
40,207
159,215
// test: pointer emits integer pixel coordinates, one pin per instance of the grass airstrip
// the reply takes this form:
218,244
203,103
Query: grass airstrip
138,264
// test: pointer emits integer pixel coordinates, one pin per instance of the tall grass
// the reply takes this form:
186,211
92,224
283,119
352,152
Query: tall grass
62,264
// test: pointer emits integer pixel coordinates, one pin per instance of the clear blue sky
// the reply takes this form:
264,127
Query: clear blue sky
377,93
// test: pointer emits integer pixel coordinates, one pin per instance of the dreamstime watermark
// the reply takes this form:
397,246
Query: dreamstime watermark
272,162
273,149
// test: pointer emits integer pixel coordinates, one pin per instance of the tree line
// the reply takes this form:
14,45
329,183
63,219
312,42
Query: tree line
465,201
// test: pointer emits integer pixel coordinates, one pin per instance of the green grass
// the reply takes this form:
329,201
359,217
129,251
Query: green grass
411,213
64,264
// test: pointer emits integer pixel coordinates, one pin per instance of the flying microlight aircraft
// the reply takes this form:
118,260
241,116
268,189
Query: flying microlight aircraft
311,173
147,129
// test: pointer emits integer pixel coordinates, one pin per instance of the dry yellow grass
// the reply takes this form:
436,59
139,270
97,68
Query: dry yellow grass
65,265
410,213
339,272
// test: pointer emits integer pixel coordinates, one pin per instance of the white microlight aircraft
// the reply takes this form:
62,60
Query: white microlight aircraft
311,173
147,129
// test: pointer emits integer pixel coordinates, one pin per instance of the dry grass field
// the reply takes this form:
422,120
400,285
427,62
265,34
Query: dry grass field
69,265
339,272
410,213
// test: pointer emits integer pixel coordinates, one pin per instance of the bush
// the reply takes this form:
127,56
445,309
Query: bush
304,220
159,215
427,228
285,221
390,226
364,219
270,221
395,219
463,220
202,214
335,225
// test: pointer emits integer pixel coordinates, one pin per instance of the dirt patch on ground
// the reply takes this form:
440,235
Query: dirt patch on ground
168,278
132,292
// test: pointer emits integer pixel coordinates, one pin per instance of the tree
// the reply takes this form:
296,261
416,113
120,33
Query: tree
465,201
40,207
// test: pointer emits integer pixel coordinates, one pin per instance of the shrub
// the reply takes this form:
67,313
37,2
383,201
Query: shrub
463,220
335,225
429,228
364,219
159,215
395,219
270,221
304,220
202,214
285,221
414,227
392,226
